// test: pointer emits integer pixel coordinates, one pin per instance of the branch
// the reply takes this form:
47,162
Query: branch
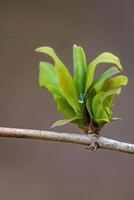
104,143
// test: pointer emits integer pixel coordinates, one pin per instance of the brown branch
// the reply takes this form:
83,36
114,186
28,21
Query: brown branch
104,143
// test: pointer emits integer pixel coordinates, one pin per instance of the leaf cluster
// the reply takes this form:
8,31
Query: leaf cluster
82,99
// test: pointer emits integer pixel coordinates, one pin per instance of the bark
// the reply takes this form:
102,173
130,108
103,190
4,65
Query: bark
83,139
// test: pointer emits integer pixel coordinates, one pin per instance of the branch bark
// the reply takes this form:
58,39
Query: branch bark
83,139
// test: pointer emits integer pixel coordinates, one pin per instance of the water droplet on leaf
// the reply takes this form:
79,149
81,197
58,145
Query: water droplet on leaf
81,98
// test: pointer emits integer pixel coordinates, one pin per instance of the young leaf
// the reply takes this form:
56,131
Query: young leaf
99,111
49,51
98,83
107,104
105,57
80,67
67,87
115,82
65,80
71,95
65,121
64,107
54,90
89,105
111,84
48,78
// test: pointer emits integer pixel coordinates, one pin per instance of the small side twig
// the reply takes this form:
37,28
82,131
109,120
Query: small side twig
83,139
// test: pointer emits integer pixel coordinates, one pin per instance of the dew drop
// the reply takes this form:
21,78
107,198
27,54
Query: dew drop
81,98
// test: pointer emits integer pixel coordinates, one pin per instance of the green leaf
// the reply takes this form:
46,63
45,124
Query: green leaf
64,107
54,90
71,95
115,82
65,80
49,51
105,57
99,111
65,121
48,78
89,105
80,68
67,87
107,104
111,84
98,83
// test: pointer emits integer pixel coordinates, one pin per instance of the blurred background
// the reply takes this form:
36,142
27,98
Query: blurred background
46,170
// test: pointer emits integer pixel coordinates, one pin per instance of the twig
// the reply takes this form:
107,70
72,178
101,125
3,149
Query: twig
104,143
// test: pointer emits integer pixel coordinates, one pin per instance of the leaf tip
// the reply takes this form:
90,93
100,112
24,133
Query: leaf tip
53,125
37,49
75,46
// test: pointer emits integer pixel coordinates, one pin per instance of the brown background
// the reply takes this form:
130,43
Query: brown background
31,170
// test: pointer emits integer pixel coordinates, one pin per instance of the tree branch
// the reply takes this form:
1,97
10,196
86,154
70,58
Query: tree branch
83,139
